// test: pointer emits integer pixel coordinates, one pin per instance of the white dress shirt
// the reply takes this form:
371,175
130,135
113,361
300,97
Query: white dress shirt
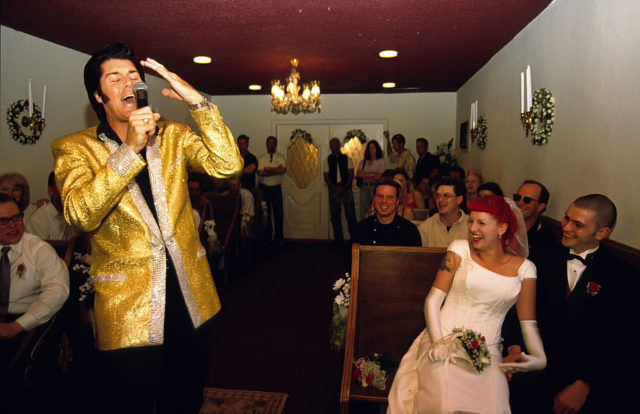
39,281
271,160
48,224
575,267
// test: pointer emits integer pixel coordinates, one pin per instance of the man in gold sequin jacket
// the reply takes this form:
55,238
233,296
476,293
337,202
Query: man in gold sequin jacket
125,182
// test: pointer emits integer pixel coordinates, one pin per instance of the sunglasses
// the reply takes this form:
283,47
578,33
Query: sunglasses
4,221
526,200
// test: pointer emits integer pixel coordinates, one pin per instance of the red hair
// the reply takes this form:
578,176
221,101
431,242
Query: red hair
500,210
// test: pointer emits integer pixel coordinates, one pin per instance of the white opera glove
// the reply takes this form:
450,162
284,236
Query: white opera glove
439,350
536,359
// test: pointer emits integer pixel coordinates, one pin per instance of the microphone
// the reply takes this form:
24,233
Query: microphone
140,90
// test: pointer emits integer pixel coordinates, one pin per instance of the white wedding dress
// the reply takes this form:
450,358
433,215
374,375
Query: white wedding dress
479,300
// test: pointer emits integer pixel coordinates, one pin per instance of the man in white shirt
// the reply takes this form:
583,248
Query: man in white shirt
47,222
271,168
34,284
450,223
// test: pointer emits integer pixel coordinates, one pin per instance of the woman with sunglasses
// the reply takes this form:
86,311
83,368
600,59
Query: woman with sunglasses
481,278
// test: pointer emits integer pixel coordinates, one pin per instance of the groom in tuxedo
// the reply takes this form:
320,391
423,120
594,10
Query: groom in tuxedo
587,309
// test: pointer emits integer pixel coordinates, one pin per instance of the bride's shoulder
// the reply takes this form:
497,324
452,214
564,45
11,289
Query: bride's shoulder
526,268
460,247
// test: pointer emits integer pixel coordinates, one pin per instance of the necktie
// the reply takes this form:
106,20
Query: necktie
5,282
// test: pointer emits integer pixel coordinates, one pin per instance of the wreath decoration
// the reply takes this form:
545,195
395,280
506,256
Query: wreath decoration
543,108
355,133
481,140
302,134
15,122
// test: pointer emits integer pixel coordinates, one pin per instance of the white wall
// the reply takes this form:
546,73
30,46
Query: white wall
68,110
587,53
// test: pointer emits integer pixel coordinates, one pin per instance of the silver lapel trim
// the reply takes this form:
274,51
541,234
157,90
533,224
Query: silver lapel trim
158,261
176,163
162,209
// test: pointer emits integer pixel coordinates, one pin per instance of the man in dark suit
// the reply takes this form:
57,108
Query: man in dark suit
426,163
587,313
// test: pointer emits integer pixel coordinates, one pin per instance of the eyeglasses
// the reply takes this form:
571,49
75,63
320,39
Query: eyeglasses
4,221
526,200
445,196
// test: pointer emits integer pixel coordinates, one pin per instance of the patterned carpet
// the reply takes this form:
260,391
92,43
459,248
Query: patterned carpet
223,401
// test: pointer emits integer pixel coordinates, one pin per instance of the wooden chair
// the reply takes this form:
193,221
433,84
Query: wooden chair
388,288
226,213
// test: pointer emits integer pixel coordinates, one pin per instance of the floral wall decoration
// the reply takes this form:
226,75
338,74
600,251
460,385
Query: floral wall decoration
302,134
481,141
354,145
355,133
543,109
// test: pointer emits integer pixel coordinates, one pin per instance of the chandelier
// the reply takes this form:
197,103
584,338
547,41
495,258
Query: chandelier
283,101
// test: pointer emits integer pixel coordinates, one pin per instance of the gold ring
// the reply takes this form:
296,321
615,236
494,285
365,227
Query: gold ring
146,120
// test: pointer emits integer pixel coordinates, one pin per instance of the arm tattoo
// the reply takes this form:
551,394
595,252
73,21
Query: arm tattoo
448,262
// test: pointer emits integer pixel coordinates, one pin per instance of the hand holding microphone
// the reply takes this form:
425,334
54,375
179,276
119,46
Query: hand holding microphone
142,122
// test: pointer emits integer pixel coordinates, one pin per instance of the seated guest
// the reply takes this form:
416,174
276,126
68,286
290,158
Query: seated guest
472,181
423,191
17,187
457,173
386,227
34,284
489,188
48,222
532,198
408,199
450,223
248,207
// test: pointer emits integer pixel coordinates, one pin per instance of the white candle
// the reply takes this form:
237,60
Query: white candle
529,97
30,100
521,92
44,99
471,116
476,116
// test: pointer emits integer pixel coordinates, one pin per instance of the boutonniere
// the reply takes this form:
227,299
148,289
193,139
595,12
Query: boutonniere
593,288
20,270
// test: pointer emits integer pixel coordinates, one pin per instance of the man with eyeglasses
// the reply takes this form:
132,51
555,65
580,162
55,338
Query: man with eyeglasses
450,223
532,198
34,284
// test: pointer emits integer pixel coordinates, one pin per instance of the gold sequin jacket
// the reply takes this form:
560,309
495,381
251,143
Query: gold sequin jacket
95,176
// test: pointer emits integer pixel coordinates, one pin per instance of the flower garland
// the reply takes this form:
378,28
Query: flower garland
371,371
543,116
481,140
355,133
15,127
302,134
474,346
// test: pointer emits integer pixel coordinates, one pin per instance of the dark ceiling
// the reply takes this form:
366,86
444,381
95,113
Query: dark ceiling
441,43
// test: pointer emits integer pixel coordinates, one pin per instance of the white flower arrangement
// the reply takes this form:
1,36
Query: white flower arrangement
82,266
343,287
446,154
543,109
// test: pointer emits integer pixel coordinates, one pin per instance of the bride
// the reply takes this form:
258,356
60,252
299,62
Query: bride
480,280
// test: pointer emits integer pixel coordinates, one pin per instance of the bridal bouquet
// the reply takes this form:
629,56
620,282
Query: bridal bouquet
474,346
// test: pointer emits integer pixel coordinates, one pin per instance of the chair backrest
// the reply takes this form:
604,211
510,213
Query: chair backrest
226,213
388,288
64,248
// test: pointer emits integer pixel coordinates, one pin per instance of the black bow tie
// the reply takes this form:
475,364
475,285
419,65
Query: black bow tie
585,262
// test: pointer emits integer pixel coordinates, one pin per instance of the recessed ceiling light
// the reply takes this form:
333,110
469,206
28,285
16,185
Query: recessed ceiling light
255,87
389,85
202,59
388,54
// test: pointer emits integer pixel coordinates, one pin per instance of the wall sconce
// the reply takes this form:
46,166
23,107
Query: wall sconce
25,120
473,120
